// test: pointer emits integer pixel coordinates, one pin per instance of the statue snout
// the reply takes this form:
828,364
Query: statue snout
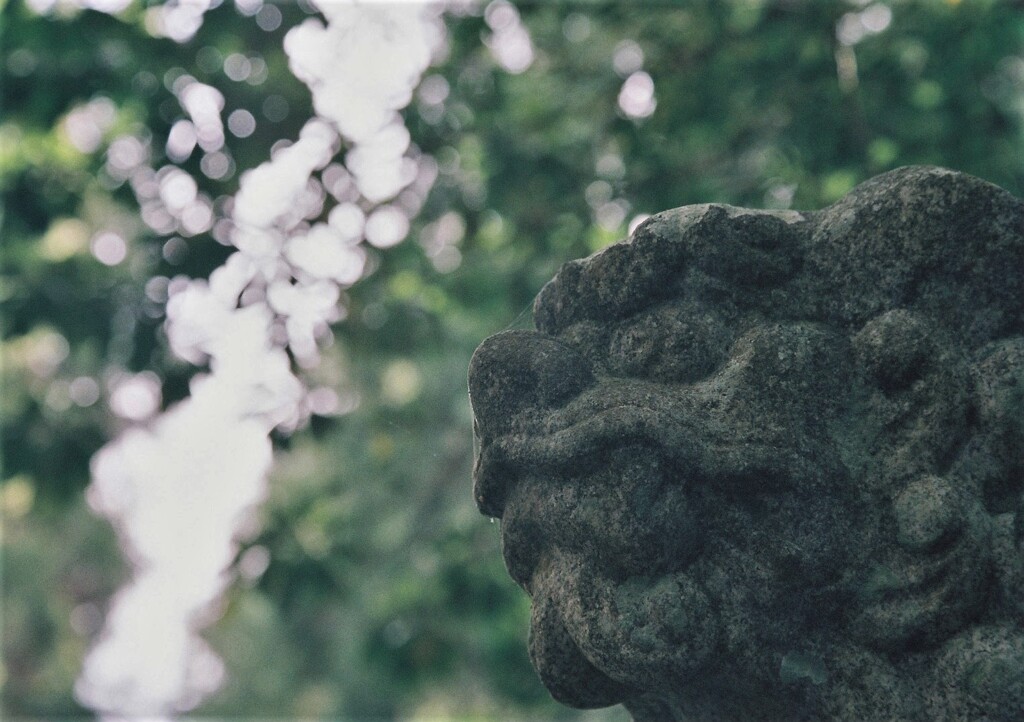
514,373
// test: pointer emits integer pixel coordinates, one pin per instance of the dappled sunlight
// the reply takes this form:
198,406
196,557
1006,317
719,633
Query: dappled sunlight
182,490
855,26
199,468
852,28
204,104
636,99
135,397
86,125
175,19
510,42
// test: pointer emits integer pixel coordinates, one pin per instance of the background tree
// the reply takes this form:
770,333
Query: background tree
374,589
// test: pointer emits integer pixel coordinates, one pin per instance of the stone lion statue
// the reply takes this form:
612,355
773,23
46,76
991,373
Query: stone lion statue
768,465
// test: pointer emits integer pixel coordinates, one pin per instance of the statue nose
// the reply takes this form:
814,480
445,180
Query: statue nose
517,371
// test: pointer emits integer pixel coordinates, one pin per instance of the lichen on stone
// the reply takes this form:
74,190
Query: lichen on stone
763,465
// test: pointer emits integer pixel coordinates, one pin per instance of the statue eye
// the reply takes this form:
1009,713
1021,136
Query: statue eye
895,348
682,343
634,346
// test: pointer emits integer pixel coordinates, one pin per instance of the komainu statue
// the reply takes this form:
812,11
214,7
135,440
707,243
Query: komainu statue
768,465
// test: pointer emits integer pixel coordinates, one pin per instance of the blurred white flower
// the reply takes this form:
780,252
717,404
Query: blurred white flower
271,190
175,492
178,489
204,104
135,396
307,310
384,48
323,253
510,44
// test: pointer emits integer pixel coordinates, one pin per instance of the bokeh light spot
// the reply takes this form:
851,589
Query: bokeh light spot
275,108
401,382
135,396
84,391
636,98
628,58
181,141
387,226
268,18
237,67
576,27
217,165
241,123
109,248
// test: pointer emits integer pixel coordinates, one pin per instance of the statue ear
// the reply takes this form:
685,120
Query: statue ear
999,404
999,382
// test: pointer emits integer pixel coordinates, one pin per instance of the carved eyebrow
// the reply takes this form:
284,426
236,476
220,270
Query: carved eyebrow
671,342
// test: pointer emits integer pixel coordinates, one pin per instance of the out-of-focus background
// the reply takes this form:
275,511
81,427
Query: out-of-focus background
366,585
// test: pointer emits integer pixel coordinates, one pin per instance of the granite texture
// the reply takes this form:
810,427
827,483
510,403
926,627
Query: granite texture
767,465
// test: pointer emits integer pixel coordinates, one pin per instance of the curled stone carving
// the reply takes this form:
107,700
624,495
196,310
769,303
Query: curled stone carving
767,465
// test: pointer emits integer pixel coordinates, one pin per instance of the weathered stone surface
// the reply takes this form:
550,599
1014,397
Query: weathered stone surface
760,465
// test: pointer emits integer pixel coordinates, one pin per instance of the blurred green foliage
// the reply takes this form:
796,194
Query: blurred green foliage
385,595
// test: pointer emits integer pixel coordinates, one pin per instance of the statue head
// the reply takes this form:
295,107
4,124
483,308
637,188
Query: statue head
769,465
